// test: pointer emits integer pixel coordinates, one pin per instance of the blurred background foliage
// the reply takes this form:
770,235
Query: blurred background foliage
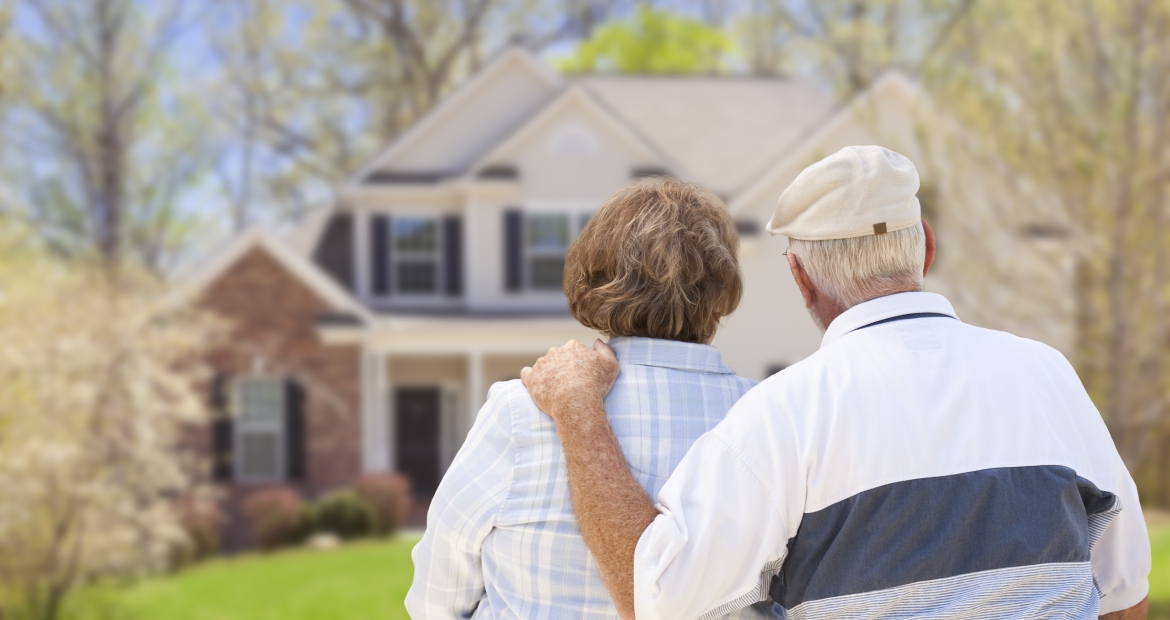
136,134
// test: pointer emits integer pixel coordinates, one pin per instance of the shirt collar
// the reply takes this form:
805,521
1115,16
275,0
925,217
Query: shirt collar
885,307
669,354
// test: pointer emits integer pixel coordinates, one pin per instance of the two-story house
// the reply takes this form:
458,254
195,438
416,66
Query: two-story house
367,340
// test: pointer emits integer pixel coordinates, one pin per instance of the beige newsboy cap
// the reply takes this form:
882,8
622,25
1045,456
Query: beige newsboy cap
857,191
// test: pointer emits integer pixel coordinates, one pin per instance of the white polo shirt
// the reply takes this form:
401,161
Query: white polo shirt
912,467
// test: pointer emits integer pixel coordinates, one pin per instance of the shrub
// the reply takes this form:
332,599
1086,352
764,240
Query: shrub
277,517
389,497
343,513
201,520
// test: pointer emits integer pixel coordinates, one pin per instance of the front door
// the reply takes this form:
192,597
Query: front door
417,431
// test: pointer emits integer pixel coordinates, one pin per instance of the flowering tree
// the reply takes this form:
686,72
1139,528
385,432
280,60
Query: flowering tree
97,379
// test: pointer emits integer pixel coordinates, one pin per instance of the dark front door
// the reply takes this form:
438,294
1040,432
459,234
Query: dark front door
417,431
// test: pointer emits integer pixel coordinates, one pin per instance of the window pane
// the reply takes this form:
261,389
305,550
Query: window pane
261,403
417,276
548,232
416,234
259,455
548,272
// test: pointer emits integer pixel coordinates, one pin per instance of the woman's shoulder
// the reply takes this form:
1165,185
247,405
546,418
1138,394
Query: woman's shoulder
511,399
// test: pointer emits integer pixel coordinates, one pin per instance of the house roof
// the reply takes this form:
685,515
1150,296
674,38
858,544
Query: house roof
723,131
796,155
189,286
479,114
571,96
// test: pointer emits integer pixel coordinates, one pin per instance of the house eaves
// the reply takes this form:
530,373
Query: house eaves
188,287
570,95
443,109
807,147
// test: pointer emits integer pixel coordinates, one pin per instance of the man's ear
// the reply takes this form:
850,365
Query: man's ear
930,247
803,282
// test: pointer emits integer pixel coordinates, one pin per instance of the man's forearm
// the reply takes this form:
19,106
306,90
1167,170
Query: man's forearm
1137,612
612,508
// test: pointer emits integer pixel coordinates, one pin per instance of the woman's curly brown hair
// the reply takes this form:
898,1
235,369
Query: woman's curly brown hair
657,260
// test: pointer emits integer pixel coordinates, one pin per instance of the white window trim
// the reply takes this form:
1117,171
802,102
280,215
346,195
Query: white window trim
396,299
396,256
239,429
575,211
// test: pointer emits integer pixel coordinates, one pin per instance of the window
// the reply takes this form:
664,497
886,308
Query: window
535,244
416,255
260,429
548,240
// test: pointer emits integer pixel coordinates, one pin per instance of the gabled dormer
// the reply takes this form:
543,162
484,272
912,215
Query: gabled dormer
434,230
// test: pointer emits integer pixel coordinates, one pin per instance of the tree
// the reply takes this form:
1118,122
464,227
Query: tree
313,88
652,41
849,43
97,380
1073,99
102,149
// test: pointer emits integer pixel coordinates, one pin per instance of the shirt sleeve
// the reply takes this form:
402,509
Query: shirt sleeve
1121,557
721,533
1120,553
448,574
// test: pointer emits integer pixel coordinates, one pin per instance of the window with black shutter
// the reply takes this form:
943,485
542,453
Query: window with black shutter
221,430
295,430
453,255
260,441
548,238
513,250
380,254
417,242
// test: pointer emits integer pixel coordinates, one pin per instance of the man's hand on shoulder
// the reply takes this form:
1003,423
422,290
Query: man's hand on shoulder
571,379
570,384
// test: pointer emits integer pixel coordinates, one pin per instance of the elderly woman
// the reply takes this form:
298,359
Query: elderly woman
655,270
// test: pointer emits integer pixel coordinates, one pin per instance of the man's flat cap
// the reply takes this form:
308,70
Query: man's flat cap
857,191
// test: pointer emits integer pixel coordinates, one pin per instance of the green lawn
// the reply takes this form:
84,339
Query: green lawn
1160,575
365,580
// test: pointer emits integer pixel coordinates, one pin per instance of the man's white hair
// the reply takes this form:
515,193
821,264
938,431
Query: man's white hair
851,271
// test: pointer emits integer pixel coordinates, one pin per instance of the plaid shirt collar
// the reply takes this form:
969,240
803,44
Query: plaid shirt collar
669,354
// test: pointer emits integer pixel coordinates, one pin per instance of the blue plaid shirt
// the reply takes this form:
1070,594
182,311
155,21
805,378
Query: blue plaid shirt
502,540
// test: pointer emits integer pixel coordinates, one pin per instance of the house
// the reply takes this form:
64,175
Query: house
368,341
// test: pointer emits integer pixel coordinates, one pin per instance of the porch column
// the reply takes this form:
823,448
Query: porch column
385,433
376,437
361,254
475,395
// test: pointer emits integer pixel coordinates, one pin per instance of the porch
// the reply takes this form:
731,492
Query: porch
424,380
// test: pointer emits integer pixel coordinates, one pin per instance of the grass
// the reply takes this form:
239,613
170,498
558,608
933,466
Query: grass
1160,575
366,580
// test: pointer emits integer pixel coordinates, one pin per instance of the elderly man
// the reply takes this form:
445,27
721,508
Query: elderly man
913,467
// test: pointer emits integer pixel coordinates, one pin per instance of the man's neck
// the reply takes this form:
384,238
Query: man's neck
825,311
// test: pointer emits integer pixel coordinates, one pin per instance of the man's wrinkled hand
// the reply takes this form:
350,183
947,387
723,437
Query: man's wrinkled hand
571,378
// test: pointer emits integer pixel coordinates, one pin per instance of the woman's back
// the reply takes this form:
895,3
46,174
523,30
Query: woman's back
510,483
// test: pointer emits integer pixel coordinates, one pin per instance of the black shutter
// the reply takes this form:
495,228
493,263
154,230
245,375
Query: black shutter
453,255
380,249
294,429
513,250
222,430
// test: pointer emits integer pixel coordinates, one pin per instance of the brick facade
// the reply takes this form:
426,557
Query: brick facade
273,316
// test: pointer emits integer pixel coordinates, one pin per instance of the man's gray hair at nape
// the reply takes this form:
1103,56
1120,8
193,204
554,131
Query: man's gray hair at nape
854,270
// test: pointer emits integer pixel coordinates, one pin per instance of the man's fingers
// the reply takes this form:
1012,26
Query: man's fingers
524,374
604,349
